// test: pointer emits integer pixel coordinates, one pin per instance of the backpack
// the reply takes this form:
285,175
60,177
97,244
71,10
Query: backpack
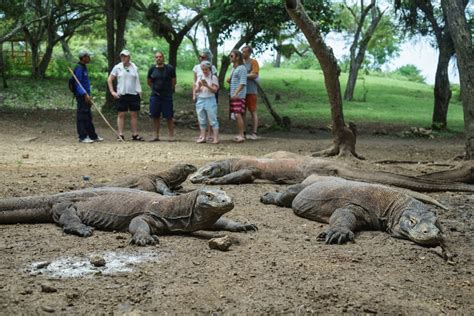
71,83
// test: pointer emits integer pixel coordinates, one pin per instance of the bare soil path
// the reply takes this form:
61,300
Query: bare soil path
279,269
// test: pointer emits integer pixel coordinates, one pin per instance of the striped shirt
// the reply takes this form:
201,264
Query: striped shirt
238,77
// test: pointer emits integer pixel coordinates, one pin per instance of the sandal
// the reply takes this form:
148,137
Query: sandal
201,140
121,138
156,139
137,138
239,139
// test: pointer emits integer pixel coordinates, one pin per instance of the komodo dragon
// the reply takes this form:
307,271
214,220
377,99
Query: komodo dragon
144,214
350,206
246,170
163,182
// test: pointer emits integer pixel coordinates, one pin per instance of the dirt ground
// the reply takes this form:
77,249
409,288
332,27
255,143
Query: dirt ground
282,268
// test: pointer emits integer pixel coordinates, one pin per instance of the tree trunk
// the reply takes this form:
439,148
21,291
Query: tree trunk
285,122
44,63
173,53
67,50
2,68
110,30
122,8
34,59
442,91
213,47
351,80
454,11
225,62
344,138
116,18
358,49
277,62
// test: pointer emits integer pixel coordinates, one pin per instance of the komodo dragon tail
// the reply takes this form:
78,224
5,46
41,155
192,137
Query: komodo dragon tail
35,209
402,181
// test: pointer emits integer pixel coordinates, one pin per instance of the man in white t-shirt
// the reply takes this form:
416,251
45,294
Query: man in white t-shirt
128,94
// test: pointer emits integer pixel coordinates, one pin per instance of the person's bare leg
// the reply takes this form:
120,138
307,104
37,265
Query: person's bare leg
156,128
215,133
120,122
170,122
209,133
134,122
254,122
240,124
202,136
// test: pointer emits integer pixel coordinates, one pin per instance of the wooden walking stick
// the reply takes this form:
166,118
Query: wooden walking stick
95,106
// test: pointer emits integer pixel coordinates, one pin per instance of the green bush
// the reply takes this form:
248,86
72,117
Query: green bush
411,73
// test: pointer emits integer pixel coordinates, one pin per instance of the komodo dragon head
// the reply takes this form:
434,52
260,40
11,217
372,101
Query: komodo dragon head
212,170
215,201
420,226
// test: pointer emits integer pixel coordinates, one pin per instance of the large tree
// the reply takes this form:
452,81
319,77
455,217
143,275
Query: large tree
463,43
14,16
116,12
344,136
362,35
426,17
260,28
169,24
63,18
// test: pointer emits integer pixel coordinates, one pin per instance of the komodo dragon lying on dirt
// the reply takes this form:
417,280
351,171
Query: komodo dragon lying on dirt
350,206
293,170
163,182
144,214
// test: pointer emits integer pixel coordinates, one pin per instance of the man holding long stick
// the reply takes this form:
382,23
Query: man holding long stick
85,127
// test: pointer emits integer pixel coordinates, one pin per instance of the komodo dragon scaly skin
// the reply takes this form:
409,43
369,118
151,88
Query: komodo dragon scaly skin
163,182
246,170
350,206
144,214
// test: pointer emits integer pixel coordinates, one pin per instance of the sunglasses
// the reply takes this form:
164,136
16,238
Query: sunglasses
202,56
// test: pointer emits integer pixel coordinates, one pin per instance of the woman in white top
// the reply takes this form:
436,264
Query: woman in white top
205,87
128,94
205,55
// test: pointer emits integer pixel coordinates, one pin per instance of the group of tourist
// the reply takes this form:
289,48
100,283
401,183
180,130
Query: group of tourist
161,78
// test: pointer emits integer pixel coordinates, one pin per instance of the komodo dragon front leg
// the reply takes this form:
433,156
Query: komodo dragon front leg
237,177
65,215
284,198
142,233
232,226
162,188
343,223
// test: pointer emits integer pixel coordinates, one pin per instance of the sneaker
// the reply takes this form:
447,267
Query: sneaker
98,139
252,136
86,140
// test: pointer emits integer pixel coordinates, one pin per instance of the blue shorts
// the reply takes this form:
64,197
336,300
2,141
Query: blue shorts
161,106
206,109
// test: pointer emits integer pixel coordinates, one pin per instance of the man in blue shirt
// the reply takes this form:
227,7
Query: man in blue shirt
85,127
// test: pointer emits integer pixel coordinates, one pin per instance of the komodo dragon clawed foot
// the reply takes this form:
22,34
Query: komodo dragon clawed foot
233,226
247,228
79,230
144,239
269,198
336,235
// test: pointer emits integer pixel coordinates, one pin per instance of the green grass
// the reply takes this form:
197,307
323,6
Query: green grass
388,101
303,98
